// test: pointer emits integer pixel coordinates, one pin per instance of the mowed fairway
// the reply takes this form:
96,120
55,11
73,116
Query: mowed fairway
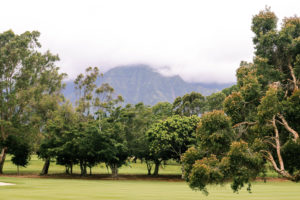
46,188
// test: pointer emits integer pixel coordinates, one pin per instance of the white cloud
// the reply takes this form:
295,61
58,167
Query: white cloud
199,40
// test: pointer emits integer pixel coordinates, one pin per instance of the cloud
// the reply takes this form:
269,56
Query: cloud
202,41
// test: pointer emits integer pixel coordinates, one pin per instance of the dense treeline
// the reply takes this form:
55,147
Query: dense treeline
229,135
36,118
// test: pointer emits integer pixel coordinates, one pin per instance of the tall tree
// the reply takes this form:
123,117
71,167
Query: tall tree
264,111
215,101
189,104
26,75
59,138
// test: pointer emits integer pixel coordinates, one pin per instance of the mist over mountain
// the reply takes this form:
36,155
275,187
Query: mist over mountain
140,83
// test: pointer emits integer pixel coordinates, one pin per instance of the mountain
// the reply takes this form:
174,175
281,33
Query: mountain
140,83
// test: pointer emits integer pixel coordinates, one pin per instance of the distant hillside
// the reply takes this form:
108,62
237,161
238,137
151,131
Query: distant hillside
140,83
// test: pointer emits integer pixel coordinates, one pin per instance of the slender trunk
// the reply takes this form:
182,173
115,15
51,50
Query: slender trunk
83,168
90,170
149,166
156,168
107,168
182,170
2,159
67,169
134,160
114,170
71,168
18,170
46,167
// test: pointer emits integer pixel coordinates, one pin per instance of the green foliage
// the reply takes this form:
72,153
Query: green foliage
19,149
270,105
171,138
162,110
242,164
290,153
264,111
215,101
189,158
215,133
28,77
205,171
229,90
116,151
189,104
234,107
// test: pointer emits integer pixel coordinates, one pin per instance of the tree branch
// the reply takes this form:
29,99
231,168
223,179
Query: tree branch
271,143
277,141
270,158
244,123
287,127
293,76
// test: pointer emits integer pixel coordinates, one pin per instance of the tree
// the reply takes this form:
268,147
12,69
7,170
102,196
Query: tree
215,101
93,99
19,149
26,75
189,104
162,110
219,156
172,137
96,103
116,151
59,138
229,90
264,111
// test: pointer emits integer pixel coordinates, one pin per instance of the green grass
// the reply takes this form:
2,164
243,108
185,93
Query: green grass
64,189
35,166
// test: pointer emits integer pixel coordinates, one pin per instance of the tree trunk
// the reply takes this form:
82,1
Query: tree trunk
157,164
71,168
182,170
149,166
134,160
18,170
107,168
114,170
67,169
90,170
83,168
46,167
2,159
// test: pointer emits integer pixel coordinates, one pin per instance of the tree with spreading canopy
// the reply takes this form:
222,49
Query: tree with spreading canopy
170,138
263,110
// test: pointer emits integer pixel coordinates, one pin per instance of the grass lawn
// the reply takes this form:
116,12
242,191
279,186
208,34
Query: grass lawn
64,189
35,166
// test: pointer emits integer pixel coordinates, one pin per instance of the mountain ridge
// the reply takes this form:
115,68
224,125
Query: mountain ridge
141,83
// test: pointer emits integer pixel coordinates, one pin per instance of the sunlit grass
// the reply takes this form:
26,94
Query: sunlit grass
64,189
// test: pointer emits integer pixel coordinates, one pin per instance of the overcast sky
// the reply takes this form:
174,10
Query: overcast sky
202,41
